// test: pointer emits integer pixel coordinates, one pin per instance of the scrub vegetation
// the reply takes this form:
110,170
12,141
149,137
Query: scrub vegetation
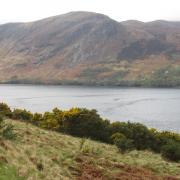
61,145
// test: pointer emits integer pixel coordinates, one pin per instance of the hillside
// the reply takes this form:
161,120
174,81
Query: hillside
41,154
90,48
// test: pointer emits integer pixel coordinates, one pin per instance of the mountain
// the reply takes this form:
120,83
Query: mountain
90,48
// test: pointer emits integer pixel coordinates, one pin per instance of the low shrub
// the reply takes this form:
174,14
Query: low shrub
140,134
5,110
22,114
163,138
37,119
49,121
171,151
122,143
87,147
85,123
6,130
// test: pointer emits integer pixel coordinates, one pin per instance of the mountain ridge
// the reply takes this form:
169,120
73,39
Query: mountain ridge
88,48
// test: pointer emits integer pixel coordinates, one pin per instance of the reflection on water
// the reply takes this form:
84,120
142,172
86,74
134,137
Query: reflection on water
159,108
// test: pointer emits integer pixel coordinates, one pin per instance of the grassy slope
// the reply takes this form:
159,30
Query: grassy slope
41,154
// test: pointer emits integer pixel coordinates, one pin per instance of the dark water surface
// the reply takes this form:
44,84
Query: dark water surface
159,108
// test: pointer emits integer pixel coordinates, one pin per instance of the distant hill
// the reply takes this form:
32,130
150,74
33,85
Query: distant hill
90,48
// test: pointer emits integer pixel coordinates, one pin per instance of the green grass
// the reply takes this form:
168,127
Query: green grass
41,154
9,173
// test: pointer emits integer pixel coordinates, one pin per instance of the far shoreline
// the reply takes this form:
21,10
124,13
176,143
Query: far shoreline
91,85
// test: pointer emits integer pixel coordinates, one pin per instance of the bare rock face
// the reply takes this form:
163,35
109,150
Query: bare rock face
85,47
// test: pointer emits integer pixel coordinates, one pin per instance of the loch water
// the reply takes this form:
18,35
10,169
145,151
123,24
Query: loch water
155,107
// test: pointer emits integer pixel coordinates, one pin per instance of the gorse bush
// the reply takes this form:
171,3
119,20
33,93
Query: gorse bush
49,121
86,123
22,114
140,134
37,119
171,151
5,110
162,138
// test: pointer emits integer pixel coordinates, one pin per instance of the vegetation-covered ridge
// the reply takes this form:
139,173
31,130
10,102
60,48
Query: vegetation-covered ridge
30,152
86,123
38,154
85,48
128,74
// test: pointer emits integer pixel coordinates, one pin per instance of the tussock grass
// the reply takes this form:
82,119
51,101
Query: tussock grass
40,154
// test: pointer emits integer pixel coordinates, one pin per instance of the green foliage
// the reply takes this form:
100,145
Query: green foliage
115,137
85,123
86,147
37,118
9,173
22,114
140,134
171,151
6,130
49,121
5,110
58,116
122,143
163,138
82,142
167,76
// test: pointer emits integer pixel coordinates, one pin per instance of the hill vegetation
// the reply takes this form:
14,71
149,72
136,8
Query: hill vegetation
90,48
86,123
37,153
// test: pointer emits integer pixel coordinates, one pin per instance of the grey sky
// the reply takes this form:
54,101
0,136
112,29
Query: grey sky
120,10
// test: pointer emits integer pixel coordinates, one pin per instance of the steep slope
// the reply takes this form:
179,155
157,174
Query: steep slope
160,37
86,48
41,154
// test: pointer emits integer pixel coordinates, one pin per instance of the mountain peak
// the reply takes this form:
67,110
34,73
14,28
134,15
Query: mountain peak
84,47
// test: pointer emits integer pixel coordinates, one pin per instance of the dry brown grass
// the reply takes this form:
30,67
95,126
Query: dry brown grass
40,154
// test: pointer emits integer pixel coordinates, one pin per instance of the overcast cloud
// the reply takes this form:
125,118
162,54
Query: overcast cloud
120,10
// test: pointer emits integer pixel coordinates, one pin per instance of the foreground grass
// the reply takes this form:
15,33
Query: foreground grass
40,154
